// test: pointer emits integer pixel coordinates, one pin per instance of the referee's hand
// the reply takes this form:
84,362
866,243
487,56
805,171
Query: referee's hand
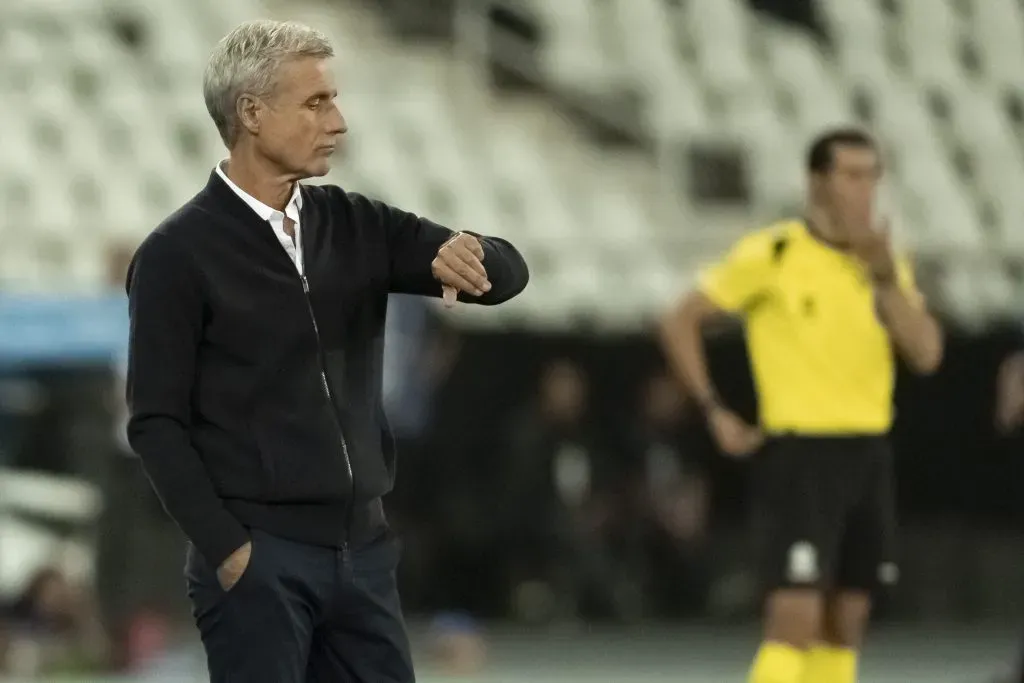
872,244
733,435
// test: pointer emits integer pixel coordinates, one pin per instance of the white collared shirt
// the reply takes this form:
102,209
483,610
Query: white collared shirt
275,217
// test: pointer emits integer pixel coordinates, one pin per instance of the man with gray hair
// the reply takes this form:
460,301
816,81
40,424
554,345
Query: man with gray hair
254,374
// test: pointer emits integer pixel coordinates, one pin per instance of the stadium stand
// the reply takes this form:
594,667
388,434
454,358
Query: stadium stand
618,142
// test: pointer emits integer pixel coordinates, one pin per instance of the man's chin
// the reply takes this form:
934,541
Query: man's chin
319,168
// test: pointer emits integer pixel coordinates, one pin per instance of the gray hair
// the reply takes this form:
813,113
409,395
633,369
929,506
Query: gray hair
246,61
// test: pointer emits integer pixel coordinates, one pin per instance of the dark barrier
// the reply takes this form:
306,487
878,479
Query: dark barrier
950,461
961,489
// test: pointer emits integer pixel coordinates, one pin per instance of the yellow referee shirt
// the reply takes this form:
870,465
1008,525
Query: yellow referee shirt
822,362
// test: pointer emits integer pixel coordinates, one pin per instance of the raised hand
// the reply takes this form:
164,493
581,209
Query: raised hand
459,268
872,244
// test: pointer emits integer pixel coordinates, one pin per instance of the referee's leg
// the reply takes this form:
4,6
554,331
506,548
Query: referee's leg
866,564
794,525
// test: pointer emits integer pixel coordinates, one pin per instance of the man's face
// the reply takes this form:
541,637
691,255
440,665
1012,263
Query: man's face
848,190
300,124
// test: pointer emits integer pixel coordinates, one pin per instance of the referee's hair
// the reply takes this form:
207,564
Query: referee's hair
821,153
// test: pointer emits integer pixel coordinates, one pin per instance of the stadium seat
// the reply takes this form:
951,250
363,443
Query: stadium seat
858,34
26,499
977,116
996,31
573,56
437,140
88,53
1008,205
23,49
805,76
997,293
654,60
774,155
933,38
618,225
858,23
718,29
45,9
959,292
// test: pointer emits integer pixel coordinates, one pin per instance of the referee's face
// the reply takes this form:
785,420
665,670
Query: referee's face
300,124
851,186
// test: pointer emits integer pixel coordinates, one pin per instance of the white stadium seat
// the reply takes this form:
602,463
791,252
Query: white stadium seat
719,30
932,34
652,61
801,70
854,22
997,36
613,234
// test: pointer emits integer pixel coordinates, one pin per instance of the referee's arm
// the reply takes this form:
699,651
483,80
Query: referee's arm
726,288
729,287
914,331
683,344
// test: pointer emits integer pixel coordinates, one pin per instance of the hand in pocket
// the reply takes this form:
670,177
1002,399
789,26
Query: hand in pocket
230,571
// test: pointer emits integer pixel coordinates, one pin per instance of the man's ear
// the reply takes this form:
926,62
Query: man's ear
250,112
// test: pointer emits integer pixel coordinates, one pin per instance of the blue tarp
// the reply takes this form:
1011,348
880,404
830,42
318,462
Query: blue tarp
59,329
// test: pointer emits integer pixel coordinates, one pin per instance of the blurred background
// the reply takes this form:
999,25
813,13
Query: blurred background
565,514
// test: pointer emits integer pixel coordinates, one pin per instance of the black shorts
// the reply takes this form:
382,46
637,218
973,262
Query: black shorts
824,513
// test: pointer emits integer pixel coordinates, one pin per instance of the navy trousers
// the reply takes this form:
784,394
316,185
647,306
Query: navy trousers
303,614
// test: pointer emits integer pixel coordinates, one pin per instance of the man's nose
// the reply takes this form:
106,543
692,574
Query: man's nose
339,126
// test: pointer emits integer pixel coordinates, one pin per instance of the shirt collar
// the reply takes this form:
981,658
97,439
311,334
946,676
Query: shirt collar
262,210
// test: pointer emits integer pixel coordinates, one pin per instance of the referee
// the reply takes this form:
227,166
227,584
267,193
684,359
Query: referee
824,301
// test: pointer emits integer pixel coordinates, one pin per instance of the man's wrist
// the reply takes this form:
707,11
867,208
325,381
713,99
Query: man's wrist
452,234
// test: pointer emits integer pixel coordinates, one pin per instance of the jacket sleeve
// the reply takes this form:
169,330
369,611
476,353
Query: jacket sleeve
166,314
413,242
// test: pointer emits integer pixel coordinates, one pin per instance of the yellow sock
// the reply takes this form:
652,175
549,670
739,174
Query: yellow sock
826,664
778,663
